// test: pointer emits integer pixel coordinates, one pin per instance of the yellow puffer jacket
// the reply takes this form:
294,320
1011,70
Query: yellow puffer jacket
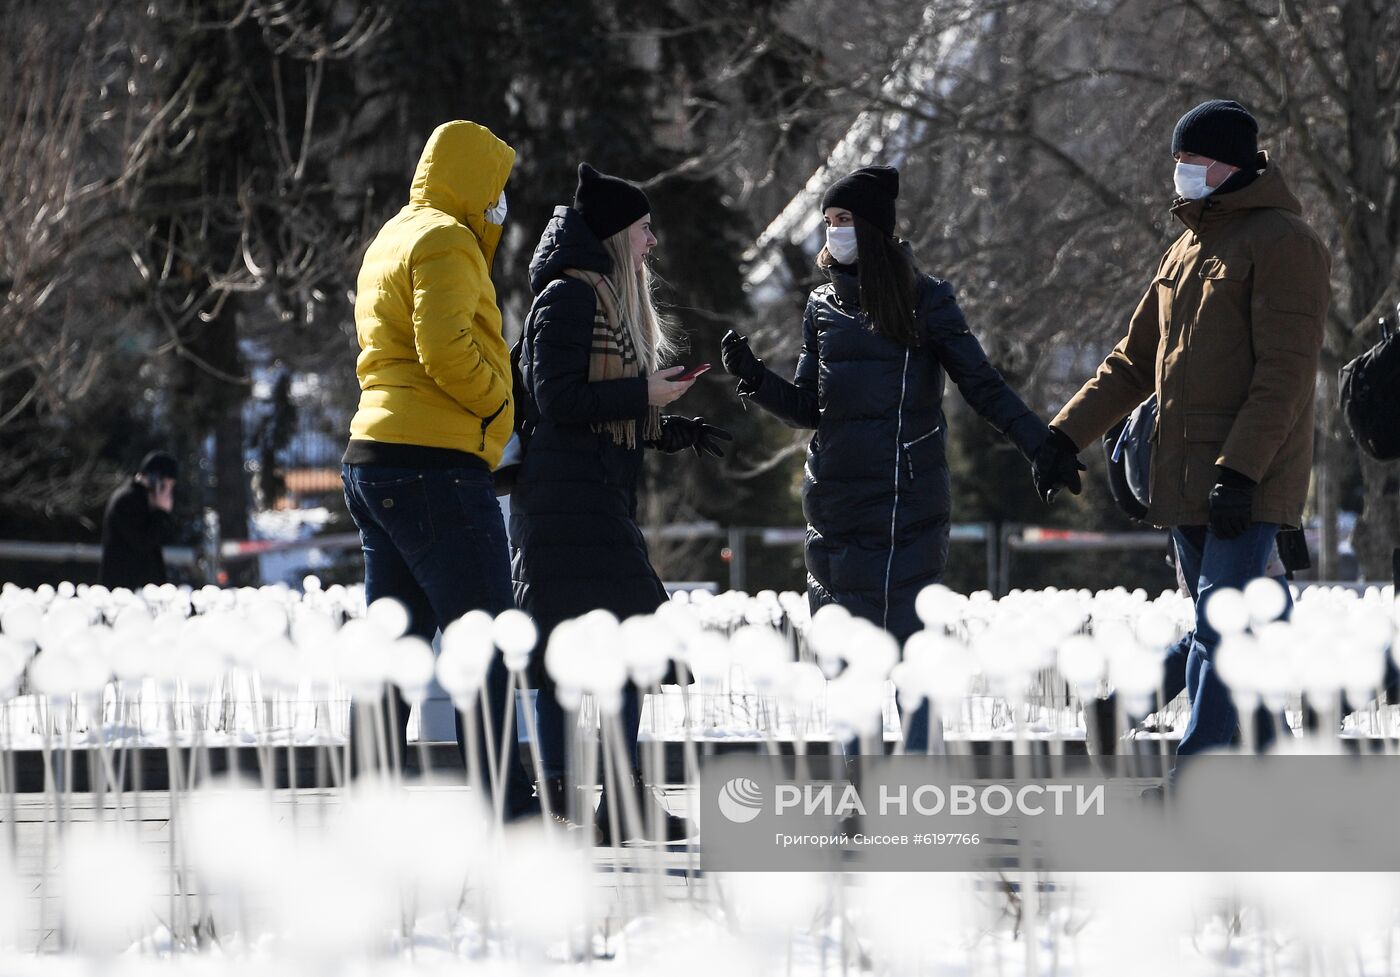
434,369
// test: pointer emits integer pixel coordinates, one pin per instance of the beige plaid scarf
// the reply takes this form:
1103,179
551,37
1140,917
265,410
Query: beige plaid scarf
612,357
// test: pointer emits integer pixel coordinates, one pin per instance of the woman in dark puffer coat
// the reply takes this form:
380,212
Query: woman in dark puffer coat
877,342
592,345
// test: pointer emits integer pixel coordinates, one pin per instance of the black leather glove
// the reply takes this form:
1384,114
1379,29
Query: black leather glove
679,433
739,360
1231,504
1056,465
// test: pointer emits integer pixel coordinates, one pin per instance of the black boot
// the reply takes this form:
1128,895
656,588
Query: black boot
555,796
1101,726
668,827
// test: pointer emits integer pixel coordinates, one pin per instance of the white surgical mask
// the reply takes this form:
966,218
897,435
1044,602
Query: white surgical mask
841,242
1190,180
497,214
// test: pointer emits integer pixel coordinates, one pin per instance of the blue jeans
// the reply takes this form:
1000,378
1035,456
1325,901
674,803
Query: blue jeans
916,729
1174,679
434,540
1209,563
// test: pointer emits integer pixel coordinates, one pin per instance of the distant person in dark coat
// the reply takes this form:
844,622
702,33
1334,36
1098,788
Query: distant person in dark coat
137,524
878,341
593,366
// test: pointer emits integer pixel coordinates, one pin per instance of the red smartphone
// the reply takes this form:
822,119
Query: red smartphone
691,374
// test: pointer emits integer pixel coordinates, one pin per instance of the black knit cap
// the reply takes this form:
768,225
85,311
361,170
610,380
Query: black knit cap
869,193
160,464
1219,129
608,204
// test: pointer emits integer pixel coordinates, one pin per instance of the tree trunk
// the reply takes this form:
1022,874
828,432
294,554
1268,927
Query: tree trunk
1325,468
1378,529
230,473
1370,247
208,412
231,477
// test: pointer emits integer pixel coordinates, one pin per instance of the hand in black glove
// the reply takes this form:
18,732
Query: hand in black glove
1231,504
679,433
739,360
1056,465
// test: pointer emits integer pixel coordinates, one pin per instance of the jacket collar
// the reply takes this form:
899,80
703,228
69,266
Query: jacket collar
1268,191
846,282
566,243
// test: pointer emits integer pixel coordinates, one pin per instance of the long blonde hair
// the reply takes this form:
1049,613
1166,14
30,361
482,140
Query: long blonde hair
653,335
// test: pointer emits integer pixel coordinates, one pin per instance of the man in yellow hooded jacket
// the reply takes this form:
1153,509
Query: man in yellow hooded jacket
434,416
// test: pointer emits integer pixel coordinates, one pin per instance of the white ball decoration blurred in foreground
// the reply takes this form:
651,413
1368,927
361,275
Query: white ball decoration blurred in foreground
1227,610
372,876
1267,600
514,632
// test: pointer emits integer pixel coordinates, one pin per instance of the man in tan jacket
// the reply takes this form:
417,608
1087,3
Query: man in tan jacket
1228,337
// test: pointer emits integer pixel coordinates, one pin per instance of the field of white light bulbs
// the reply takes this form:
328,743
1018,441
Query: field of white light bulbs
176,784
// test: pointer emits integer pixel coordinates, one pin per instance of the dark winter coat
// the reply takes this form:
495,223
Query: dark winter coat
133,531
876,491
575,539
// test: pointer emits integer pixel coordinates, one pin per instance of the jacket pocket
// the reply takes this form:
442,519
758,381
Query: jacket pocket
906,450
1209,425
1205,434
1218,333
1217,269
1168,275
486,422
924,437
1225,298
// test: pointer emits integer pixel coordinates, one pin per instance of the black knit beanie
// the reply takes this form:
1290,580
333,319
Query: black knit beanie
158,464
1221,130
608,204
869,193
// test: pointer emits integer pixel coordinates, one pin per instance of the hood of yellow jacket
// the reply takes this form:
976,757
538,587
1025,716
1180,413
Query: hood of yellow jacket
462,172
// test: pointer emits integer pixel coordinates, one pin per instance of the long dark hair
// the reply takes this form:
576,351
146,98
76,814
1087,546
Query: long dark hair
888,282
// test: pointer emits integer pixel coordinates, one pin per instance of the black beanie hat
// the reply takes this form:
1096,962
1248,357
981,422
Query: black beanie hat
160,465
1220,129
608,204
869,193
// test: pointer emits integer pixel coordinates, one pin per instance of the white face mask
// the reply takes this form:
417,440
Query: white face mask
1190,180
841,242
497,214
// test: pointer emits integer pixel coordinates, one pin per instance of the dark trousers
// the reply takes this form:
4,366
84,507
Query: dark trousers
916,729
435,541
554,729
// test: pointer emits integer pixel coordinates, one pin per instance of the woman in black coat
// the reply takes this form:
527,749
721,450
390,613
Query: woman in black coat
877,342
591,348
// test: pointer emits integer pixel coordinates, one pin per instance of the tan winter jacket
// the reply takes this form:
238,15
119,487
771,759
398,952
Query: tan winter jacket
1228,336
